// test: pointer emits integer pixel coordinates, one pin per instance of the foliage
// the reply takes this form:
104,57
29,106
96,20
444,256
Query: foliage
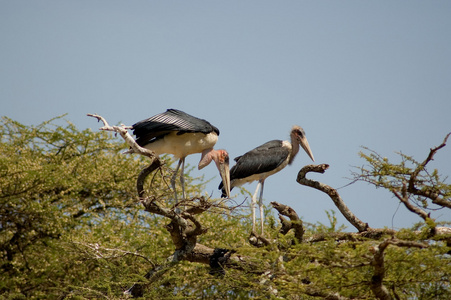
72,226
61,189
395,177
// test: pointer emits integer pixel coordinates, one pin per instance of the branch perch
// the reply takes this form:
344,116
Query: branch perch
295,223
184,228
122,130
331,192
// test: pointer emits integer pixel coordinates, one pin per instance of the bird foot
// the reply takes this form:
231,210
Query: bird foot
258,240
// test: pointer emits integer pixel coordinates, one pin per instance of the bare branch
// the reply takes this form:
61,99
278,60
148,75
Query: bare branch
404,198
331,192
122,130
99,252
295,224
286,225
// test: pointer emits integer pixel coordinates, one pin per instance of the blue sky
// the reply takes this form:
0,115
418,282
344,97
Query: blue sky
351,73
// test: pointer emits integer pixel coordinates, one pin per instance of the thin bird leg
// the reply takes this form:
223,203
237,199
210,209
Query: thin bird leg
173,180
253,205
182,178
260,204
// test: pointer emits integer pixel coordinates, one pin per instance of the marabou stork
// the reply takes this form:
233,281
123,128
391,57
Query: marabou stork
180,134
264,161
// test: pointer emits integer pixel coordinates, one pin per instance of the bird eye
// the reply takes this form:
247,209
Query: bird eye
300,132
225,157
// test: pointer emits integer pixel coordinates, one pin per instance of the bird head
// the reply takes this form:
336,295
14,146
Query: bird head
221,159
299,135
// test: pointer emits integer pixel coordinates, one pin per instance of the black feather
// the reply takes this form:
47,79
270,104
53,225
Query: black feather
156,127
262,159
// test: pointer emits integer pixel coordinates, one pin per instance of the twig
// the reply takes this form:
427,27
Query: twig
96,248
122,130
404,198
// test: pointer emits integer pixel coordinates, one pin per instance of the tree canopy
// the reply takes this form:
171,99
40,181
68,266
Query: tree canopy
79,219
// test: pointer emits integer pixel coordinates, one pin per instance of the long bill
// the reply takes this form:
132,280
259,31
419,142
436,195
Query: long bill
225,176
306,147
221,159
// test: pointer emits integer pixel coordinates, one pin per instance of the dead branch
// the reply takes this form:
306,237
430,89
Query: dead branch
295,223
285,225
331,192
99,252
122,130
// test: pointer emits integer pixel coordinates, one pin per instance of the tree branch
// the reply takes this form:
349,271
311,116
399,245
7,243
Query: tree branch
295,223
331,192
377,286
137,289
404,198
428,193
122,130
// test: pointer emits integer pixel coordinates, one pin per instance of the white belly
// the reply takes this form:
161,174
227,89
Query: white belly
184,144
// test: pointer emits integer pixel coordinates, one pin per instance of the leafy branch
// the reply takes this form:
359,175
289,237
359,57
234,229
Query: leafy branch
409,181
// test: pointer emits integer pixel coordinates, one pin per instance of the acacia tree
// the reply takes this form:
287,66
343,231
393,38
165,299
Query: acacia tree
276,270
145,248
63,191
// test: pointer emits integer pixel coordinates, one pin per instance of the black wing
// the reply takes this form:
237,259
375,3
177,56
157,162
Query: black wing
262,159
148,130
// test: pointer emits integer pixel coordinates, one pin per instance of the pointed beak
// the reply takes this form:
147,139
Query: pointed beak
225,175
304,144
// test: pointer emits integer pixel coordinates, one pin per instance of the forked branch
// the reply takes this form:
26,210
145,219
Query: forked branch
331,192
377,285
295,223
122,130
428,192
